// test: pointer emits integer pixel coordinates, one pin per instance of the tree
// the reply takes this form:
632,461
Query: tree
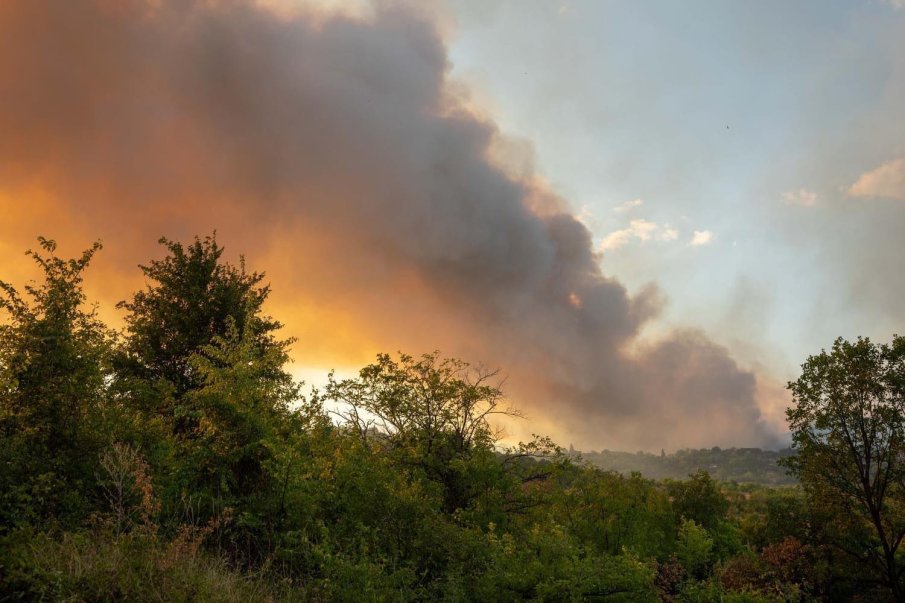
204,374
433,414
234,460
53,368
848,427
694,548
240,411
191,297
699,498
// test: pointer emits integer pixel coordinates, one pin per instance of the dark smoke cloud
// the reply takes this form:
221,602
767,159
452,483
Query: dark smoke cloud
330,150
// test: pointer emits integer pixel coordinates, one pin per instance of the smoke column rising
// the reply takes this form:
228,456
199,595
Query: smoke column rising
330,150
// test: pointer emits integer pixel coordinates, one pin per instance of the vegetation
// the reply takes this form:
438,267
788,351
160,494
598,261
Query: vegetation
742,465
848,423
178,460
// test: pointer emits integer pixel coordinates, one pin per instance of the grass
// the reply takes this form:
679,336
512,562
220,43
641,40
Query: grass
92,566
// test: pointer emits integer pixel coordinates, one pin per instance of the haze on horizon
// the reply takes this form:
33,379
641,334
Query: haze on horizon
646,216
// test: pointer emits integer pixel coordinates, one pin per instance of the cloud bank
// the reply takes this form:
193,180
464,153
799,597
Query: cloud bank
331,150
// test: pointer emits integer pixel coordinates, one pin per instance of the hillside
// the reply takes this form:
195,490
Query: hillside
743,465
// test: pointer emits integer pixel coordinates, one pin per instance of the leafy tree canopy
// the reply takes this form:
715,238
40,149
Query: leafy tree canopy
53,367
190,299
848,425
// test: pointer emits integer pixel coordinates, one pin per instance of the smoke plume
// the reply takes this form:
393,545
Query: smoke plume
330,150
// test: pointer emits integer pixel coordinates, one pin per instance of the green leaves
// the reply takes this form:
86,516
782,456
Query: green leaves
699,499
418,400
848,425
432,413
190,298
694,548
190,431
54,370
239,414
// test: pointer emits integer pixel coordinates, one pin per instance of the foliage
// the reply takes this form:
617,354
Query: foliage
92,566
548,565
742,465
237,414
782,570
613,513
190,299
53,364
698,499
179,460
432,415
127,488
694,548
848,425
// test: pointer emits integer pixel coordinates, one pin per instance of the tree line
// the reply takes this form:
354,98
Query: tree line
178,459
740,465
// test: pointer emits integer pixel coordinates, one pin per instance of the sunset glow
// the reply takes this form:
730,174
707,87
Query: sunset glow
404,189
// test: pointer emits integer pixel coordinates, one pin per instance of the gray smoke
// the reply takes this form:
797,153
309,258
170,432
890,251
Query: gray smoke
332,145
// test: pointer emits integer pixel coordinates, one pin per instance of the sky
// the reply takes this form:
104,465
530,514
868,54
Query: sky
772,127
646,215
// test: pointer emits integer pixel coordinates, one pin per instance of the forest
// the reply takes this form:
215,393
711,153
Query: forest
740,465
176,459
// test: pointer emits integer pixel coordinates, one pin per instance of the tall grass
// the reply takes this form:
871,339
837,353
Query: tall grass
104,566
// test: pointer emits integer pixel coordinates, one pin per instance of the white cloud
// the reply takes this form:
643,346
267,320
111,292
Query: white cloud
701,237
628,206
802,197
667,233
640,229
888,181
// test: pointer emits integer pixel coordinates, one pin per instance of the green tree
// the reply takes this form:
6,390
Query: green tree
190,299
699,498
433,416
204,375
613,513
53,367
545,564
240,412
694,548
848,426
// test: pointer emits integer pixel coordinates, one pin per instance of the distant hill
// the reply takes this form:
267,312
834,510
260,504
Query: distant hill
742,465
